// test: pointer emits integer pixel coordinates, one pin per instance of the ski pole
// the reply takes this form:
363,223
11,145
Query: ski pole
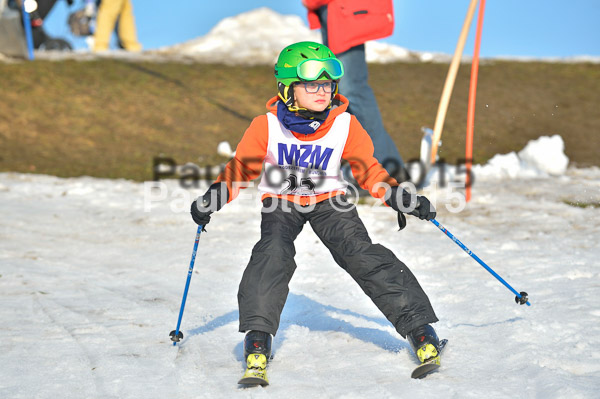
521,297
27,26
177,335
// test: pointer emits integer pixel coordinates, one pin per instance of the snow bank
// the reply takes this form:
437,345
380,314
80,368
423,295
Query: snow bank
546,154
256,37
251,38
543,157
540,158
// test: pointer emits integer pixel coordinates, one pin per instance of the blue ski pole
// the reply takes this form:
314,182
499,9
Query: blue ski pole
28,34
177,335
521,297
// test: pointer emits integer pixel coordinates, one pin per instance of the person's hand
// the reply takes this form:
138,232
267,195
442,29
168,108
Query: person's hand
424,210
200,217
212,200
403,202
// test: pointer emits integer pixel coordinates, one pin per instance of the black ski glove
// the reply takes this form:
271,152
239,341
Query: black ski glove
401,201
213,199
424,209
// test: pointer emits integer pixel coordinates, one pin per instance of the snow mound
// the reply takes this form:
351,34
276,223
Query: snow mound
546,154
256,37
378,52
540,158
251,38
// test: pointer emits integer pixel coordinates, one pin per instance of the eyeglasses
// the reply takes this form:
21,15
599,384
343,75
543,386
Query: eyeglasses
313,69
314,87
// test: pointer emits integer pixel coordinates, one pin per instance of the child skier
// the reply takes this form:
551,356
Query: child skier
301,142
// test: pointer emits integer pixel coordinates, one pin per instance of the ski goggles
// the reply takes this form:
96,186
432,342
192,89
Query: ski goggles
313,69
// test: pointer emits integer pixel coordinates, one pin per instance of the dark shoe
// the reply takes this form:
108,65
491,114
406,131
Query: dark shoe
257,342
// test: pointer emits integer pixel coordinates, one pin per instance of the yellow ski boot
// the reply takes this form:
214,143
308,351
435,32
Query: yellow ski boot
427,347
257,351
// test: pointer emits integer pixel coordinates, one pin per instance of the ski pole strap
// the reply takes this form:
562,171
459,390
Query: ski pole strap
521,297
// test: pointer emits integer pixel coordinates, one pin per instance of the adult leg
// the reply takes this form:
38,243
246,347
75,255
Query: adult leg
264,286
126,28
108,12
363,104
44,7
385,279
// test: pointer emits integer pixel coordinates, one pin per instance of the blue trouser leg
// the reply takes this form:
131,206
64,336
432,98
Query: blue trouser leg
363,104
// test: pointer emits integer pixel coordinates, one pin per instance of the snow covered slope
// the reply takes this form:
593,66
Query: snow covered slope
90,286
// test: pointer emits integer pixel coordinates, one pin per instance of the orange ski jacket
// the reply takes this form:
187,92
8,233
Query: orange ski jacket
247,163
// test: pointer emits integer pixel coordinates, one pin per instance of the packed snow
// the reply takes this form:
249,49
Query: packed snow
542,157
92,273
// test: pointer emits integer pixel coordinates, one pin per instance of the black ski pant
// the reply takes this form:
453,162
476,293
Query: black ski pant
385,279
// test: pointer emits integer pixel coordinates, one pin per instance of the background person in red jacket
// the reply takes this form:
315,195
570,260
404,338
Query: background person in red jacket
346,25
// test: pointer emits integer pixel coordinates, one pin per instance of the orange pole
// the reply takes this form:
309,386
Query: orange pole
471,108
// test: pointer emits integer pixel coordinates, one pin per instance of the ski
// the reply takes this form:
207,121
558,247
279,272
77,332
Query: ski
429,365
256,371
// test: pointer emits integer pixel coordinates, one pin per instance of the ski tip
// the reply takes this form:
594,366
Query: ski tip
423,370
253,381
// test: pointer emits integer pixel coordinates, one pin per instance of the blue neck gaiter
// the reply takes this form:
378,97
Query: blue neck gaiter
296,123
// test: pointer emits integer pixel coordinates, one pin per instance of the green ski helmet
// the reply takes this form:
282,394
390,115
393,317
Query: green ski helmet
305,62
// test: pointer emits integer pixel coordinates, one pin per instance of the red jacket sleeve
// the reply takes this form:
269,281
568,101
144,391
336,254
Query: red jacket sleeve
249,156
367,171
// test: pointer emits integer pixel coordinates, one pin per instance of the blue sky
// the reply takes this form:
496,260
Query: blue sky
537,28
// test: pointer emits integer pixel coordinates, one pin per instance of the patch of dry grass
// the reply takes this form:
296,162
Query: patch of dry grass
109,118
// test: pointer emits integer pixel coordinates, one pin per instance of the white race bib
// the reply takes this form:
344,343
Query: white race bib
306,168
